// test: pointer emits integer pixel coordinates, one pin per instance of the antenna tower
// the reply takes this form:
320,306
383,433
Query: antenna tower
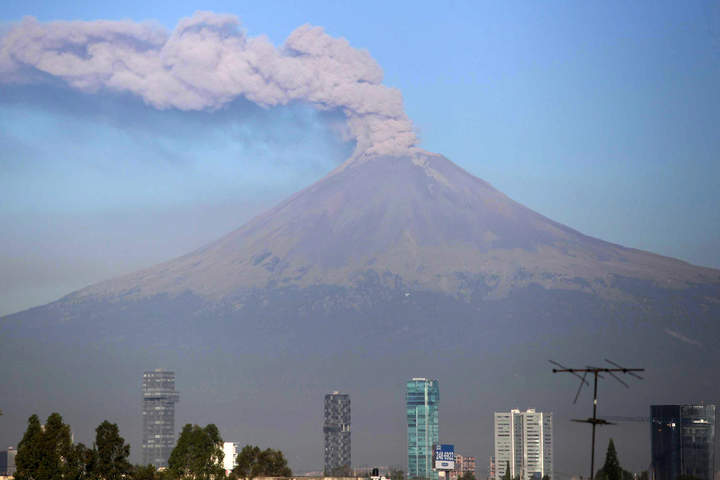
596,371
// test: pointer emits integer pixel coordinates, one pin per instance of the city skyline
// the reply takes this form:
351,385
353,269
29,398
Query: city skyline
524,438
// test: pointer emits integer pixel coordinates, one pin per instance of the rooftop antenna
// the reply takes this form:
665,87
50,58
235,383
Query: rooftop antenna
596,371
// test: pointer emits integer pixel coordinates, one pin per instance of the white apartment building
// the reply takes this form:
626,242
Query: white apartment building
230,451
523,441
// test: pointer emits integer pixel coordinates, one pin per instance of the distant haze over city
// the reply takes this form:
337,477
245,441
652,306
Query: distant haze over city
276,203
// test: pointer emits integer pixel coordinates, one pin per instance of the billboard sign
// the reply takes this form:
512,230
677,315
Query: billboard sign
444,457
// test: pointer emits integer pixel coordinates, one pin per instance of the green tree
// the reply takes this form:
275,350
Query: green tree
246,462
507,476
28,458
397,474
43,453
144,472
273,464
611,470
253,462
80,463
198,454
111,453
57,447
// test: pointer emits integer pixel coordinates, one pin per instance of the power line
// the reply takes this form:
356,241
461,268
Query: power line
629,419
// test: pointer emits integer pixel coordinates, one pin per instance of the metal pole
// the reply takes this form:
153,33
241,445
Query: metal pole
592,453
595,371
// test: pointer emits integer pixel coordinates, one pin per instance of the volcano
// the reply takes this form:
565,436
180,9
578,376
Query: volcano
419,223
385,269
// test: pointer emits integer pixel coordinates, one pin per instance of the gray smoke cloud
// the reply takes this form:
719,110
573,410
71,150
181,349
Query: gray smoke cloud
208,61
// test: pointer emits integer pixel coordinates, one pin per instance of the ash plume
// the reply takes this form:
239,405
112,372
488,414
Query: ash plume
205,63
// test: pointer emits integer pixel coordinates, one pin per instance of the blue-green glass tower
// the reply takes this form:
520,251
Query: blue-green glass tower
421,400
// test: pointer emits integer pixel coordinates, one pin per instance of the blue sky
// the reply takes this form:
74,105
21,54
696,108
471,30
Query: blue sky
604,116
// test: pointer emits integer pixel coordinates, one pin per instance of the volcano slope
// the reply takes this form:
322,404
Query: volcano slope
385,269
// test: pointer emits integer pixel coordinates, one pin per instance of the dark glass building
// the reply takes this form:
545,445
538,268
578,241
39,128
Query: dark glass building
682,441
159,398
336,429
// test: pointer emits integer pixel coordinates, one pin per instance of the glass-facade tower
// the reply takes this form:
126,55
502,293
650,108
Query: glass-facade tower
336,430
682,441
159,398
422,399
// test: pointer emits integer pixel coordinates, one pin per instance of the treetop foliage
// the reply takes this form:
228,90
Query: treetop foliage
47,453
198,454
612,470
507,476
111,453
43,451
397,474
253,462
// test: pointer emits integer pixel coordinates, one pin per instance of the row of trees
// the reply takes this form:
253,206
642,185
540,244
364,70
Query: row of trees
46,452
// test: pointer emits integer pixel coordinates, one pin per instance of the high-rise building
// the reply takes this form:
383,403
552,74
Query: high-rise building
422,400
491,468
523,442
159,399
7,462
230,453
336,429
682,441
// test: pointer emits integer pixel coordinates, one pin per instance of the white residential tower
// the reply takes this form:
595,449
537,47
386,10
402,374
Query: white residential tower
523,442
230,452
